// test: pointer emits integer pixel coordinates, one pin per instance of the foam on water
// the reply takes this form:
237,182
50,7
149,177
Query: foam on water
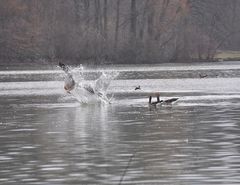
99,85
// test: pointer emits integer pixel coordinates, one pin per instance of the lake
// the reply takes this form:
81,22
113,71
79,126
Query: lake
48,137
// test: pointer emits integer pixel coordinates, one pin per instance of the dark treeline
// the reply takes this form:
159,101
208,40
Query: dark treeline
121,31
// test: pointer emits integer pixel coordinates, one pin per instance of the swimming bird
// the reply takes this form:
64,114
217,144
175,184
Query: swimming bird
168,101
202,76
138,88
171,100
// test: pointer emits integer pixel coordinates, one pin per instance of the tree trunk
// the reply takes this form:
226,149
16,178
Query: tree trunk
86,13
105,20
133,31
77,11
96,15
143,21
117,27
150,19
86,52
133,22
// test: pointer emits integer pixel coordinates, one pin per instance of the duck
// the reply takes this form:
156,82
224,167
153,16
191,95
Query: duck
138,88
202,76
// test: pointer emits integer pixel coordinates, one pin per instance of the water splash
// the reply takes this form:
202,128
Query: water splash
99,86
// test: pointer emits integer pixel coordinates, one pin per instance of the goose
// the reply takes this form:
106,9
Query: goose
156,94
171,100
69,83
168,101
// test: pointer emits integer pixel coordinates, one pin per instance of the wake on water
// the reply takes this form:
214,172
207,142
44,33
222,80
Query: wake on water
100,86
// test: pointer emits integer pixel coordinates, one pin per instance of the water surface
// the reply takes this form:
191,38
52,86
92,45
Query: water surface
48,137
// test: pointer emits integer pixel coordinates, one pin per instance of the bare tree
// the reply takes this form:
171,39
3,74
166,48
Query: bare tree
126,31
133,22
117,26
105,19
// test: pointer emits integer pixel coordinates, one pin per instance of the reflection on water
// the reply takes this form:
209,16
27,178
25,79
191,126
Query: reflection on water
53,139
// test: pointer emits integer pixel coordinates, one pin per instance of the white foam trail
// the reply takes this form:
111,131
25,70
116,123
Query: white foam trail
99,86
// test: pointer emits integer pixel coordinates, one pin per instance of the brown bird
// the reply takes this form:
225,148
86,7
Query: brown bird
69,82
137,88
202,76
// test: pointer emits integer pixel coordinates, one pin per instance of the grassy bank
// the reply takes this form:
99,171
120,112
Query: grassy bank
228,55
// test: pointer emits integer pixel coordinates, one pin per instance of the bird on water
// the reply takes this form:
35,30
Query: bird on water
157,95
138,88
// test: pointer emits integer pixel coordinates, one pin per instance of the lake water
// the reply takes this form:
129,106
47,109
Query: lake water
48,138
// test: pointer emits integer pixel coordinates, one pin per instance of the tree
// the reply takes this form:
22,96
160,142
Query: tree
124,30
117,26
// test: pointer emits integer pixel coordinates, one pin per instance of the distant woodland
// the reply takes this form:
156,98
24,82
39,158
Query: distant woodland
118,31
